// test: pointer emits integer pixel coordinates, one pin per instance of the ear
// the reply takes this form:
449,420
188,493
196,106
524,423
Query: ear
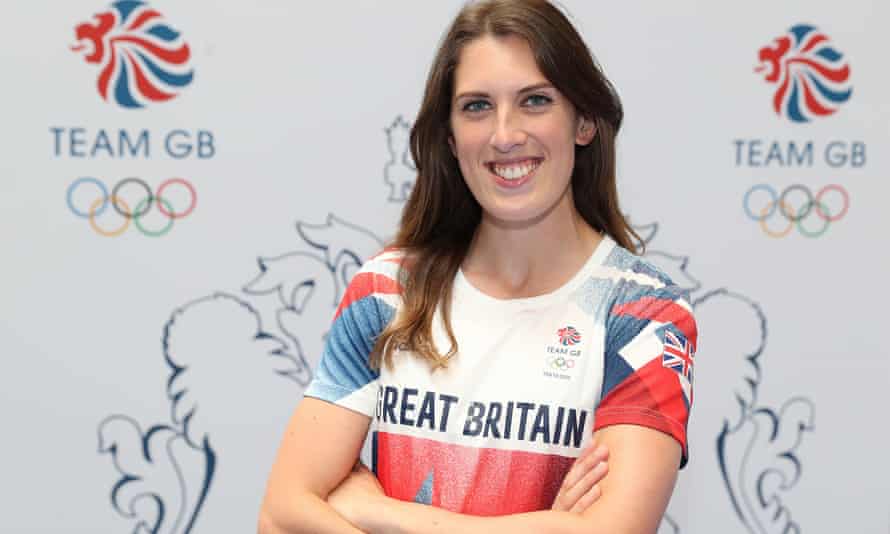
586,131
451,144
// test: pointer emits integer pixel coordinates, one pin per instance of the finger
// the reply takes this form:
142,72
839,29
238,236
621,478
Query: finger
579,467
583,464
601,453
572,495
594,455
590,457
593,448
587,499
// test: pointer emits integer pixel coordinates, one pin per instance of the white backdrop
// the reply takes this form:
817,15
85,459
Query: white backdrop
147,379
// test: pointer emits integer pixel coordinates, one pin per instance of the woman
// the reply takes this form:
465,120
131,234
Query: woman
508,325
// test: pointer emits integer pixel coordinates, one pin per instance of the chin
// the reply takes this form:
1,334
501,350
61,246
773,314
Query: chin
519,216
529,210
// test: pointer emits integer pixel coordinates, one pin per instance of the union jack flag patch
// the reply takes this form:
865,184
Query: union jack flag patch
678,354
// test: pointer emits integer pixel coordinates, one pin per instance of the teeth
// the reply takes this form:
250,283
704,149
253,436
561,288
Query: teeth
514,172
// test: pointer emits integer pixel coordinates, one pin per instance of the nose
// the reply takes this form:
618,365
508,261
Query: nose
508,132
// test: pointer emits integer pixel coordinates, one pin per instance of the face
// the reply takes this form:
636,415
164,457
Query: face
513,133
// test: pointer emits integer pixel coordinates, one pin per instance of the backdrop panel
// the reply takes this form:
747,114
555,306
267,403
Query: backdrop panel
154,347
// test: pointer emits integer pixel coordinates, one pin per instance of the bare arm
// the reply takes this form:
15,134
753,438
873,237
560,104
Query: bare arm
642,473
320,446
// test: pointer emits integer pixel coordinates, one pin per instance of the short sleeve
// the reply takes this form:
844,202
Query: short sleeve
651,338
344,376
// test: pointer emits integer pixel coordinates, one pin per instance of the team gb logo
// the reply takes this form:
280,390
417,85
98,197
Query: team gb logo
810,74
142,59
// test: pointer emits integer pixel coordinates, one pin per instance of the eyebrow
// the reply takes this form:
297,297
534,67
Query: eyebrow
527,89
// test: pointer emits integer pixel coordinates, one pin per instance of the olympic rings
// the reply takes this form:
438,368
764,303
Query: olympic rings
560,362
795,217
192,192
162,231
826,222
95,225
115,195
782,233
142,208
806,207
98,184
843,193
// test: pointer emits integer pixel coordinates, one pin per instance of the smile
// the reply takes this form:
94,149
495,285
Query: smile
515,171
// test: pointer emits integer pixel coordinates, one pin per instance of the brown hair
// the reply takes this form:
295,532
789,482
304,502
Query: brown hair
441,215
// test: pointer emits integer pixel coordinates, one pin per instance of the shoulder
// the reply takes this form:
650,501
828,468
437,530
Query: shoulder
625,284
384,264
631,275
376,288
636,276
643,295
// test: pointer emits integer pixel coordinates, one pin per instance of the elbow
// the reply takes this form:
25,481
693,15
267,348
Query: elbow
568,523
611,524
278,518
266,523
285,514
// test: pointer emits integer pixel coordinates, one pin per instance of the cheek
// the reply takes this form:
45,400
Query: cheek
468,141
562,144
560,136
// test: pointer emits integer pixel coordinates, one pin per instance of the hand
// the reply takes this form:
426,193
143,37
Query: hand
580,488
355,497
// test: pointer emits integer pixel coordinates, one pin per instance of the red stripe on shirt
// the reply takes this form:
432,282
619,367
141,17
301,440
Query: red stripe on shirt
364,285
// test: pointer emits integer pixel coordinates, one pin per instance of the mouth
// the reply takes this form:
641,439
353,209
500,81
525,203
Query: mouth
515,172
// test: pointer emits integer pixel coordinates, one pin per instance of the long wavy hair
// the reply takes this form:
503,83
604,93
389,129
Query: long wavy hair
441,215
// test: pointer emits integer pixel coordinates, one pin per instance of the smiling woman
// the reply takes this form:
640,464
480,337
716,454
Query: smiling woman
509,125
509,342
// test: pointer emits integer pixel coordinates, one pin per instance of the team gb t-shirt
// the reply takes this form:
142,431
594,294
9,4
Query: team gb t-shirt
496,431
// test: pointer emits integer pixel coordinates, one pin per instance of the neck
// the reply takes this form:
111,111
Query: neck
513,260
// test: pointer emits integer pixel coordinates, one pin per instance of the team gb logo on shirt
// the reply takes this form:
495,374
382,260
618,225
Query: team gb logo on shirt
143,59
568,336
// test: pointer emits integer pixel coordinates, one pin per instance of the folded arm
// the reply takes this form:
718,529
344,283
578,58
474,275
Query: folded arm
319,449
643,467
320,445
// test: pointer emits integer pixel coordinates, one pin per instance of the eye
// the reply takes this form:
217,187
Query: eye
538,100
476,106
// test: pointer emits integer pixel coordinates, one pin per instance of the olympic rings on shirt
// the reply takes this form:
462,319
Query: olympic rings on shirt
560,362
779,203
135,215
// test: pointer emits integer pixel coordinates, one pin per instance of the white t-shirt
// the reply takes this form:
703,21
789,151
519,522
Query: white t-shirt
496,431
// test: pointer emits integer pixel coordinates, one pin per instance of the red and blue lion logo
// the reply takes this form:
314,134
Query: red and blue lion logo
568,336
810,74
143,60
